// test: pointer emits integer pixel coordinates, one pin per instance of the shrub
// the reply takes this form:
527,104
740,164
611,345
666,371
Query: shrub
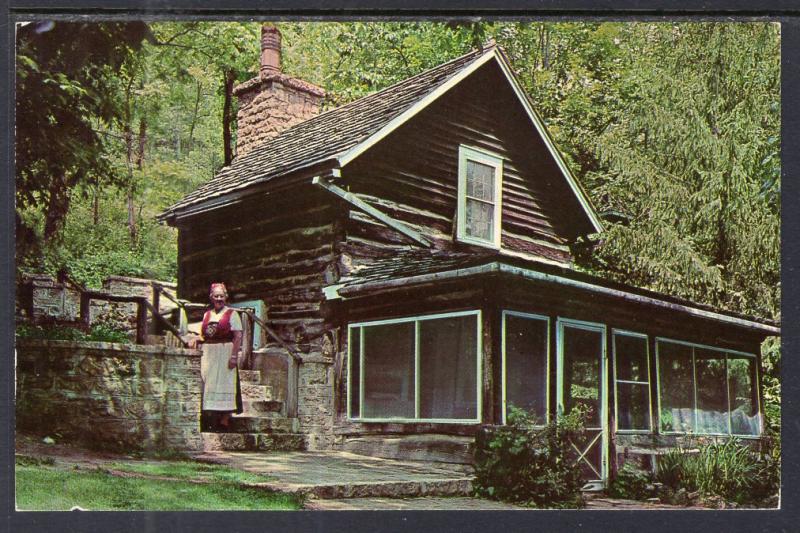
99,333
523,463
729,470
631,483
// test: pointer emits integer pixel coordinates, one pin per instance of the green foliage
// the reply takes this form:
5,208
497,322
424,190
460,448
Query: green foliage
98,333
691,161
771,386
730,470
64,81
522,462
631,483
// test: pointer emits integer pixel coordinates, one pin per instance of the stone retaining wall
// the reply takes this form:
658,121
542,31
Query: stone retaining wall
111,396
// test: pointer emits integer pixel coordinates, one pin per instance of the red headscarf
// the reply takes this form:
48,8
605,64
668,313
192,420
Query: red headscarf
217,286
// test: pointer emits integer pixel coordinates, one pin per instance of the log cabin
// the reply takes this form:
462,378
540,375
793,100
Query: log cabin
414,247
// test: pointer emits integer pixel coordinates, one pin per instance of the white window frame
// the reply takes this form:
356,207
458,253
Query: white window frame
725,353
530,316
626,333
261,312
467,153
416,319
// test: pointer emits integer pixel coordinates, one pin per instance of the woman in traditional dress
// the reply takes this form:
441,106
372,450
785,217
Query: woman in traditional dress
221,335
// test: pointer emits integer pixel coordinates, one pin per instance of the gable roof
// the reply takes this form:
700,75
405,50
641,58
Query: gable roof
340,135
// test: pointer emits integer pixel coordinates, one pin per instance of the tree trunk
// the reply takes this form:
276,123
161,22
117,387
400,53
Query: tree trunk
194,115
96,204
229,77
128,134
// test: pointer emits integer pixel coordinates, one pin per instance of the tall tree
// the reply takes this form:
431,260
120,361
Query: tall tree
693,163
64,73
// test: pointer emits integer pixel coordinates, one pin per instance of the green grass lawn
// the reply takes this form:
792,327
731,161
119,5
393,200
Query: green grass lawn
44,487
191,470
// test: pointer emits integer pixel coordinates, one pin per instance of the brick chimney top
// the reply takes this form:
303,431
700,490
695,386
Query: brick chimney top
270,50
272,101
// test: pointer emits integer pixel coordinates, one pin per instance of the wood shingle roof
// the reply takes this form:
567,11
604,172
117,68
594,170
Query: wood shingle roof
325,136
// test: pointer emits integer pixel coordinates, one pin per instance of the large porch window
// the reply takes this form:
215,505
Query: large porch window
416,369
526,341
706,390
632,382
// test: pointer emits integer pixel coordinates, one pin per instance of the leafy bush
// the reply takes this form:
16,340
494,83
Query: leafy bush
49,333
631,483
728,469
523,463
99,333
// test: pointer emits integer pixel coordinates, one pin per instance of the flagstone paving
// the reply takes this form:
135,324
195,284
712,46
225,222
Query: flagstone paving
334,474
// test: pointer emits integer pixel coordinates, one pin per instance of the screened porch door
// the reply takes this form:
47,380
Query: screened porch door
581,380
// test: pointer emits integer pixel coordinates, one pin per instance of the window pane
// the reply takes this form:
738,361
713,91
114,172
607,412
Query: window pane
631,358
526,364
479,221
633,401
448,378
389,371
355,368
582,352
676,387
712,396
633,406
744,406
480,181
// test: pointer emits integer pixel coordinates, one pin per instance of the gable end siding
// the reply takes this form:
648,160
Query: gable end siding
412,175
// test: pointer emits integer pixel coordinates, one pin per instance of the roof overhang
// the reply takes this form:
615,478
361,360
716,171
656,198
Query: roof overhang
494,54
370,288
300,175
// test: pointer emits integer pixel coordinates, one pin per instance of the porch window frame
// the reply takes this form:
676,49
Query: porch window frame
628,333
725,352
481,156
531,316
417,319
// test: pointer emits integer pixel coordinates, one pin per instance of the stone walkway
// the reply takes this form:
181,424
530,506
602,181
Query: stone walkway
336,475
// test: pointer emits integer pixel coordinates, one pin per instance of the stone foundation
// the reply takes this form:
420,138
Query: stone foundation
111,396
315,403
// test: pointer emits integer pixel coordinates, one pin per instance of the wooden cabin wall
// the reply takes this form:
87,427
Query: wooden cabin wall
277,248
412,175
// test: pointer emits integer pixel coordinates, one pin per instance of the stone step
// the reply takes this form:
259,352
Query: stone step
256,392
430,447
257,424
252,442
461,486
262,407
250,376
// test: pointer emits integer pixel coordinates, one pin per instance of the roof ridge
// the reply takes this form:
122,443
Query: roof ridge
404,81
476,52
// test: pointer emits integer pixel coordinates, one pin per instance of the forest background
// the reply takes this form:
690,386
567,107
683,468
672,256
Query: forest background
673,129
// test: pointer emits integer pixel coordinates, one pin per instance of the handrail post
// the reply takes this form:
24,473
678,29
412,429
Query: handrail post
155,328
85,305
141,322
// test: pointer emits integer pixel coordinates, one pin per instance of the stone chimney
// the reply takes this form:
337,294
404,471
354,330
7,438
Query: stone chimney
273,101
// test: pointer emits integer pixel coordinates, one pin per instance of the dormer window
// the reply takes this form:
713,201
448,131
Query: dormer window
480,176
